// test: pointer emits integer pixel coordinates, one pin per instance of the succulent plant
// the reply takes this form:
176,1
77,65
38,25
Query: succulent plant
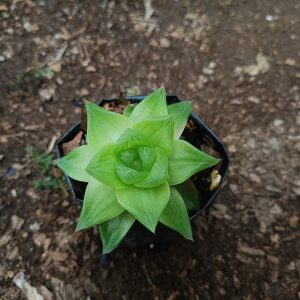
137,168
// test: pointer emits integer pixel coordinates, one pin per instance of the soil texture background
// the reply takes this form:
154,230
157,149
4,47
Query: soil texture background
239,61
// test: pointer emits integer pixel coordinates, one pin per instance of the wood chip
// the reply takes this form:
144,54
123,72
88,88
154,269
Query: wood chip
251,251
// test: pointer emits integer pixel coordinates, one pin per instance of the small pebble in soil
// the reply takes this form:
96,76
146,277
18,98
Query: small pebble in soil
35,227
233,187
11,171
17,222
13,192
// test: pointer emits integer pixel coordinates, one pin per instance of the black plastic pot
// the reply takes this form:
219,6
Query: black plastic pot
138,235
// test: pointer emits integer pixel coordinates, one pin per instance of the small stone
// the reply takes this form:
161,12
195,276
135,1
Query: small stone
278,122
91,69
5,239
274,144
47,93
255,178
66,203
236,102
273,189
254,99
290,62
273,259
292,266
222,291
232,149
2,58
17,222
201,81
31,194
12,254
233,187
84,92
27,26
219,275
164,43
207,71
35,227
13,192
11,171
8,54
293,222
212,65
276,210
236,282
10,31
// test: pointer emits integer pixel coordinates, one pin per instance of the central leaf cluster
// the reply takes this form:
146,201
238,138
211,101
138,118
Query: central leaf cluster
135,157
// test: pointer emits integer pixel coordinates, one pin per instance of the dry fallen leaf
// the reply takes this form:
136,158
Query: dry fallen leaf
69,146
215,180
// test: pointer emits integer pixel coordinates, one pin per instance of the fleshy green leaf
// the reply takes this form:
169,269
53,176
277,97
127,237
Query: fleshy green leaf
158,173
186,160
175,215
113,231
75,162
147,156
129,175
154,104
146,205
128,110
160,131
102,167
100,205
104,127
131,138
189,194
180,112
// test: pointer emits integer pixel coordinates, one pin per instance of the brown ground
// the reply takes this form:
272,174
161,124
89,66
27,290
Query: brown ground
247,247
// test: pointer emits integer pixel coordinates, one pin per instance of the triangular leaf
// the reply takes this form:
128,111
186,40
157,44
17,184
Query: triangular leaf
100,205
146,205
75,162
103,167
104,127
154,104
113,231
160,130
180,112
175,215
189,194
186,160
131,138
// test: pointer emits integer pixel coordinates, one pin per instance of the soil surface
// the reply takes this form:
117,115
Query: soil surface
240,63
